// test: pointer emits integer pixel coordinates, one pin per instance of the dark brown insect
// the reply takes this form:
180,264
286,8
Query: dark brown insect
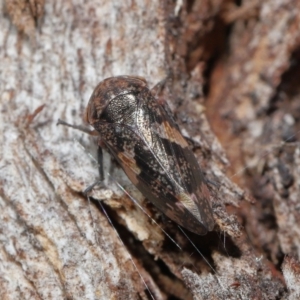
143,137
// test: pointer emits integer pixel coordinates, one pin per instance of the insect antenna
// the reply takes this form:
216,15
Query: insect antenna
203,257
168,235
130,257
90,188
136,203
144,211
195,247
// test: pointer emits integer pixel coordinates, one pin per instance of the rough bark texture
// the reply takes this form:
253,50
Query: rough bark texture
233,82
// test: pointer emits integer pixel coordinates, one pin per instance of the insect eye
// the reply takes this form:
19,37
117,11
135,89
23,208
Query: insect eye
91,113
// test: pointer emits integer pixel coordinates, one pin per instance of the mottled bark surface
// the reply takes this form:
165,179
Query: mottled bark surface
233,83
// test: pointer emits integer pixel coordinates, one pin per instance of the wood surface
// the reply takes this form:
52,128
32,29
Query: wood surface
232,70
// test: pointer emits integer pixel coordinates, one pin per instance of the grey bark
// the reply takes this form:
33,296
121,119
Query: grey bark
54,243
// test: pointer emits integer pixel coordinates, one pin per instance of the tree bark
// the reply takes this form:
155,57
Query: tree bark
232,81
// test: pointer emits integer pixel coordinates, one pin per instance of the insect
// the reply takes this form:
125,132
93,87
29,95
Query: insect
141,134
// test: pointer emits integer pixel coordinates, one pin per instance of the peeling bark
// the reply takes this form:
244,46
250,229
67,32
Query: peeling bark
231,83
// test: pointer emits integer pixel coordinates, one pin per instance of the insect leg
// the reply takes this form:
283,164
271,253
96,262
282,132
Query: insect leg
99,153
101,171
158,88
90,188
100,162
79,127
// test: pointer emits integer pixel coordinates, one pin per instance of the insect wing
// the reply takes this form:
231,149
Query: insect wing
154,155
192,191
